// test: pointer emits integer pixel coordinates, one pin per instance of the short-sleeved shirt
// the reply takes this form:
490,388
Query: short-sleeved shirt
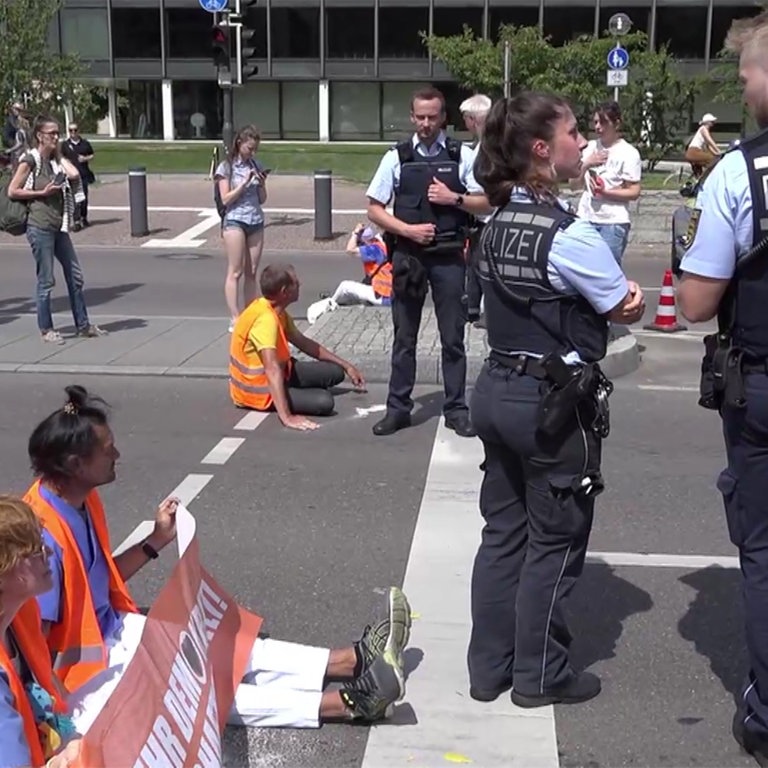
623,164
724,231
13,740
246,209
386,180
45,213
580,263
95,566
263,333
72,150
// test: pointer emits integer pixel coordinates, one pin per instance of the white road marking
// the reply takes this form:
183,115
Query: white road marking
251,420
212,211
223,450
679,336
666,388
139,533
363,412
649,560
186,239
190,488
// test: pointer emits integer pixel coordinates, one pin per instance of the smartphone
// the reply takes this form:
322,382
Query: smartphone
59,179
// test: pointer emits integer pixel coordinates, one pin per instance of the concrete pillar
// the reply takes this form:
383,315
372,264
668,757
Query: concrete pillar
324,111
169,134
112,110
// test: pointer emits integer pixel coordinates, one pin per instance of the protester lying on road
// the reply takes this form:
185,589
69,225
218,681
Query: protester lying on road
34,726
263,375
376,286
93,626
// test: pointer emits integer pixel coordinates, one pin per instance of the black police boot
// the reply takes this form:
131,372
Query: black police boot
487,694
459,422
391,423
750,743
581,687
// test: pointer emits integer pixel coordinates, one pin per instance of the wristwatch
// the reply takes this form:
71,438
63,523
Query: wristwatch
149,550
459,200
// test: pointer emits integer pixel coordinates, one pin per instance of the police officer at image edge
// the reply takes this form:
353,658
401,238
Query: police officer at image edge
550,284
725,274
435,193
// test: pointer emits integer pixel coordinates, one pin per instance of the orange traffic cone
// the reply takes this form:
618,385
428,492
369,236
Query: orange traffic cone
666,313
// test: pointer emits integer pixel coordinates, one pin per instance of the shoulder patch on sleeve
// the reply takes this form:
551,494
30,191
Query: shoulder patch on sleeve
693,226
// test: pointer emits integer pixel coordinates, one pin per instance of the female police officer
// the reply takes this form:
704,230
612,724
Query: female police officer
550,286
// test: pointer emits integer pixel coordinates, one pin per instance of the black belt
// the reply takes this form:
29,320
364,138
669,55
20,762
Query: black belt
754,366
524,365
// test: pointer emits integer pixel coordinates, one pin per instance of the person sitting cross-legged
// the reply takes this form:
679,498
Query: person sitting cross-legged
262,373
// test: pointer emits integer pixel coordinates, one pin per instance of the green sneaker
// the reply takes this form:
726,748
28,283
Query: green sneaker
369,696
387,635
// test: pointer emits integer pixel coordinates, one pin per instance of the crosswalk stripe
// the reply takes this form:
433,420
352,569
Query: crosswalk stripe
438,722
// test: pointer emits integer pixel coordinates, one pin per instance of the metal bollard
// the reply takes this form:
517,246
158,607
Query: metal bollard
323,205
137,199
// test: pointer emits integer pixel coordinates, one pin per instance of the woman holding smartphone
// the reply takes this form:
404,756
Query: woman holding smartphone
44,180
242,187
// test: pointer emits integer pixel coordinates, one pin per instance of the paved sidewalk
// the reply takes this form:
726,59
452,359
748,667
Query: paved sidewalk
199,347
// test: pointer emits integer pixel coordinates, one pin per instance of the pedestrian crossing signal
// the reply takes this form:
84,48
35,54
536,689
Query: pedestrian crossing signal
221,50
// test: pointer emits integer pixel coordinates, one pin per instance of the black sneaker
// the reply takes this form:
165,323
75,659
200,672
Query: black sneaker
389,634
579,688
369,696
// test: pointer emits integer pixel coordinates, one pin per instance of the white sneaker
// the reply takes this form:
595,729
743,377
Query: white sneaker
53,337
319,308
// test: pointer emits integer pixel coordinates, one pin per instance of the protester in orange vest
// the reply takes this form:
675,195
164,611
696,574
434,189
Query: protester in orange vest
34,727
93,632
376,287
263,375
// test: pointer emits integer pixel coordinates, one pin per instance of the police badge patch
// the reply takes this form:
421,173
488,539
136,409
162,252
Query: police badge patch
693,226
685,222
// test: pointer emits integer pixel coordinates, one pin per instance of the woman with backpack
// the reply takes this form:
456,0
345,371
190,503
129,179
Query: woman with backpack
240,193
46,182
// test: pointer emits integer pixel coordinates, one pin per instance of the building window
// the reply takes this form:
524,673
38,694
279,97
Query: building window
189,34
295,33
355,113
399,32
85,31
639,16
682,29
564,23
722,18
451,21
140,114
349,33
258,103
454,122
196,109
518,15
299,110
136,33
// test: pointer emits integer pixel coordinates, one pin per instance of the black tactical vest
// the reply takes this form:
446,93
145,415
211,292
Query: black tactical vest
750,331
518,240
411,203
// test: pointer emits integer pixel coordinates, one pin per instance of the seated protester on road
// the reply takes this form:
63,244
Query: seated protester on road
263,375
376,287
34,728
93,627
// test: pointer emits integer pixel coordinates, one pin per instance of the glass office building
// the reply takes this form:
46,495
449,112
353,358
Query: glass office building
335,69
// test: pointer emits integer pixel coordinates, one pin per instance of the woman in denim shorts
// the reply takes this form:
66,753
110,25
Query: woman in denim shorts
242,186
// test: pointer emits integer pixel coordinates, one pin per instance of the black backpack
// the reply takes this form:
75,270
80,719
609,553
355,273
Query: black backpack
218,202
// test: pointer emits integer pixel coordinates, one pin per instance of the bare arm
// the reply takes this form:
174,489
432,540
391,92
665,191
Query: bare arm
313,349
69,168
130,562
276,378
476,204
699,297
631,308
630,190
709,141
16,189
229,193
352,247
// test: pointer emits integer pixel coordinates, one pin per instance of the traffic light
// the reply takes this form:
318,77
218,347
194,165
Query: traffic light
222,52
246,49
241,6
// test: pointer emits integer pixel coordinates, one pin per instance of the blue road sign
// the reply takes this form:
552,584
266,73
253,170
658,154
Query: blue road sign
618,58
213,6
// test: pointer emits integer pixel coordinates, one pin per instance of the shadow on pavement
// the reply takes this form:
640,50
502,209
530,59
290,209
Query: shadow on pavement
102,222
714,623
601,603
124,325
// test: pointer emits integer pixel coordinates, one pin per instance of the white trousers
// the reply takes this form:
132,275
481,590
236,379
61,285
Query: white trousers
351,292
282,685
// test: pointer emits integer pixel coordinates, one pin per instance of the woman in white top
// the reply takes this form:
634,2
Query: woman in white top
702,149
610,176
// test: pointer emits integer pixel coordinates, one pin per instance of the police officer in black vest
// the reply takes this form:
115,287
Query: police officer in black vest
430,176
540,402
725,274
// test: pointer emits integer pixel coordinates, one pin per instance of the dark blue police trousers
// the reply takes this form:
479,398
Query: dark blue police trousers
744,485
534,540
445,275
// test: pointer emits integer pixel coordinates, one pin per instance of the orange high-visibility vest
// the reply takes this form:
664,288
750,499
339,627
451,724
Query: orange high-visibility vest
75,642
29,637
248,382
380,274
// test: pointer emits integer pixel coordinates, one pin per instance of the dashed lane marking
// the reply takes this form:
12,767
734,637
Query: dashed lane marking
223,450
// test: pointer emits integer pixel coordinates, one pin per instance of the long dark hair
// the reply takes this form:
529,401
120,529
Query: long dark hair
247,133
504,160
40,122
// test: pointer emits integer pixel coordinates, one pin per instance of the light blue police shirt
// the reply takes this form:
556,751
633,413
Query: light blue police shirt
95,566
581,263
13,741
386,180
724,231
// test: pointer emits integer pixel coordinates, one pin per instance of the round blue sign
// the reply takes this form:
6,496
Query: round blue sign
618,58
213,6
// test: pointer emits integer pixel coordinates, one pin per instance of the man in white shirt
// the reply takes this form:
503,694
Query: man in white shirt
610,176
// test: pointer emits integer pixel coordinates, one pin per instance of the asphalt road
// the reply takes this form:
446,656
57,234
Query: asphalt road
306,529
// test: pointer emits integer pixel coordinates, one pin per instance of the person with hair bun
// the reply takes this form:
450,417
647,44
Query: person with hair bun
550,285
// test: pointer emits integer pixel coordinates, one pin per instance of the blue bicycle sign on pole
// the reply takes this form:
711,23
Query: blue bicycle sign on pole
213,6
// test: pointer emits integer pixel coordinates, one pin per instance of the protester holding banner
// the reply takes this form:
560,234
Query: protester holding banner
92,624
33,723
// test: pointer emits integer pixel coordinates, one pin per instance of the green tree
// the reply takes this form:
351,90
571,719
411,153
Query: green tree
29,69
